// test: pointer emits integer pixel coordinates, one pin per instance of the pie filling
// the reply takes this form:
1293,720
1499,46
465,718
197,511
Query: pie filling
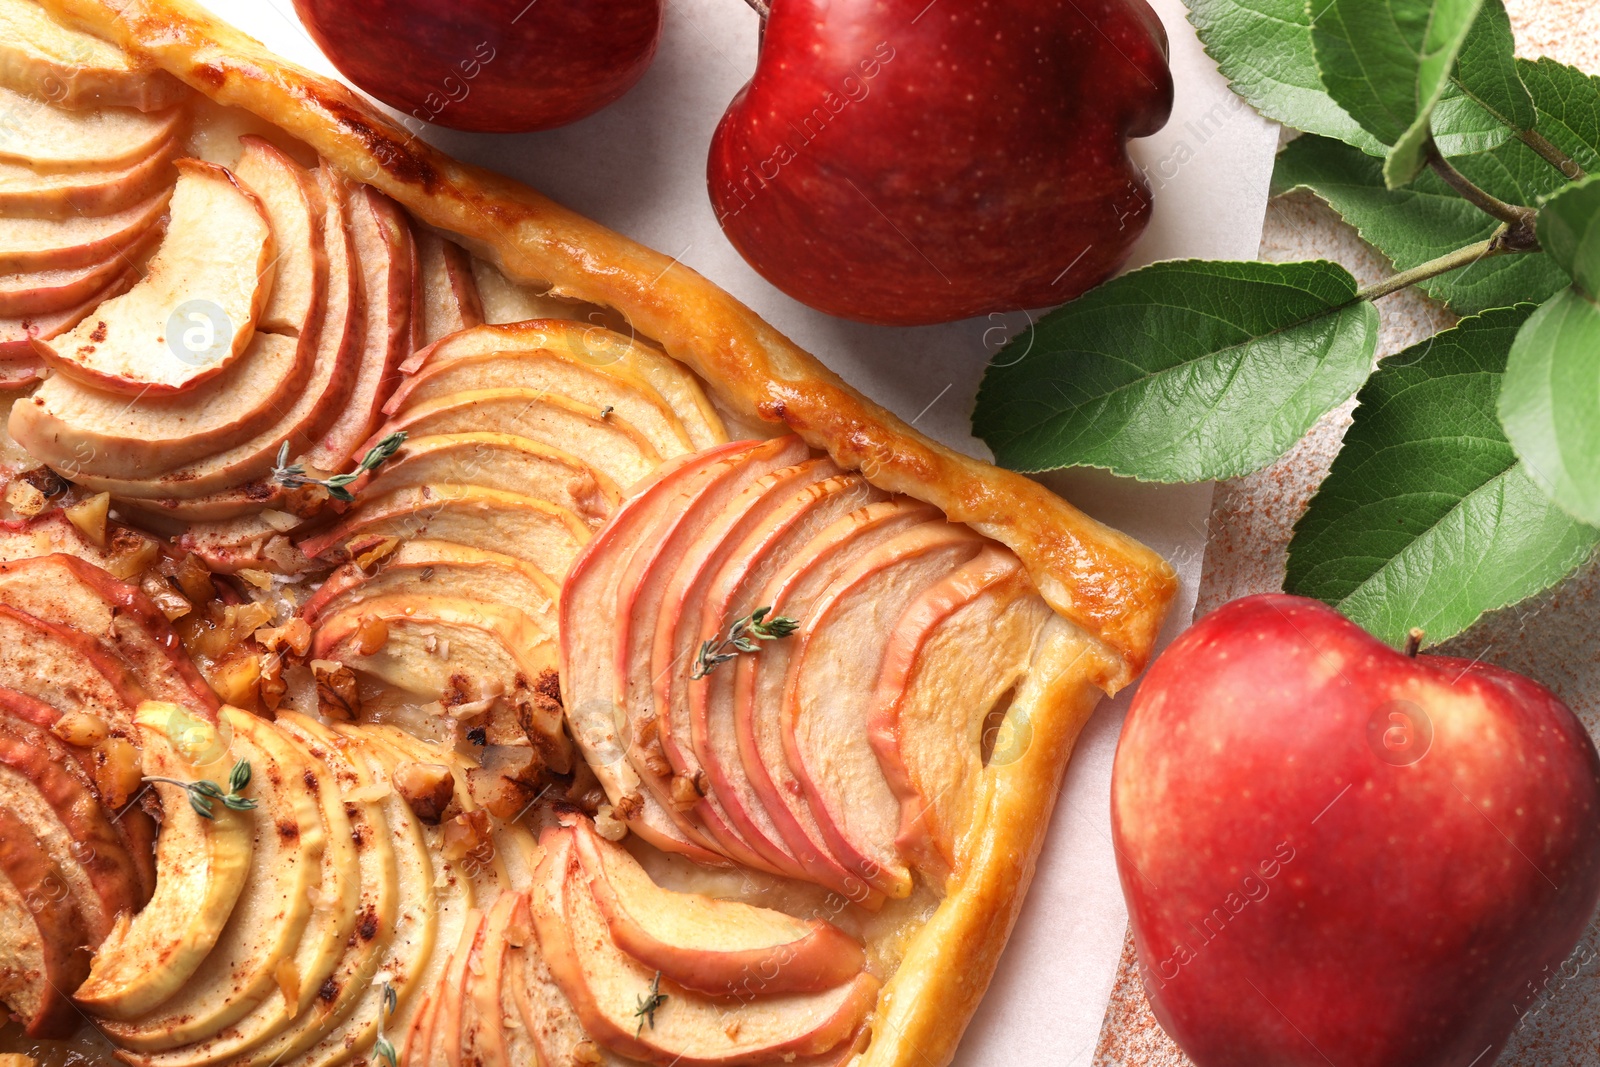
499,699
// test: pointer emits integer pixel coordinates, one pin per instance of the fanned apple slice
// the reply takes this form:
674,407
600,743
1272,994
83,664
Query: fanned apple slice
40,293
76,240
590,343
498,461
717,947
94,139
464,362
430,641
294,203
73,593
202,866
41,946
549,1027
273,907
33,194
71,426
589,605
74,69
932,699
417,1047
759,682
66,669
742,570
421,565
20,364
483,1040
381,246
448,298
678,577
444,1041
544,534
838,657
605,986
47,532
607,442
349,782
219,254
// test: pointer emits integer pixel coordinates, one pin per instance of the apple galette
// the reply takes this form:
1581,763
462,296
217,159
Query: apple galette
434,629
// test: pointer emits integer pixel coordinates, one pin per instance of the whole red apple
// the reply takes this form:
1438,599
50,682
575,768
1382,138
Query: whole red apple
1336,853
494,66
907,162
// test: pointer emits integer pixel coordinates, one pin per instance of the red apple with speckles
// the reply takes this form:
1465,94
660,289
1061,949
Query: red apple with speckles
493,66
1335,852
907,162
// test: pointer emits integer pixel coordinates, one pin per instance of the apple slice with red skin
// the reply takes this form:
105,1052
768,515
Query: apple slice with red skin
759,683
381,246
716,947
42,953
482,1040
605,985
588,650
654,555
497,461
20,364
416,1050
220,250
838,657
1363,857
591,343
548,1021
684,565
447,301
58,139
73,69
606,442
28,245
47,532
30,194
743,570
444,1037
544,534
297,208
933,696
66,669
38,294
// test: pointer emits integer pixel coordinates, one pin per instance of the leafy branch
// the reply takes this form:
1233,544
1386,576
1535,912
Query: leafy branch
743,636
204,794
294,476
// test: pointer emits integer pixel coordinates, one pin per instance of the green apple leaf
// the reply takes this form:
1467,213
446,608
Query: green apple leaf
1387,63
1463,127
1568,102
1264,49
1181,371
1425,220
1427,518
1569,230
1487,72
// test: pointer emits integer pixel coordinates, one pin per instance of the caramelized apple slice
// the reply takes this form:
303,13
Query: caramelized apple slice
717,947
759,683
381,247
32,194
53,139
498,461
273,907
76,240
293,201
20,364
73,69
447,300
41,950
483,1040
66,669
218,256
607,442
444,1040
544,534
743,570
202,865
605,986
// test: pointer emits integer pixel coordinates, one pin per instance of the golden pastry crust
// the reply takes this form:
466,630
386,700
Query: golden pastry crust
1113,589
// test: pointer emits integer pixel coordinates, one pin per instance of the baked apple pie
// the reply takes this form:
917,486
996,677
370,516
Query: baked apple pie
436,630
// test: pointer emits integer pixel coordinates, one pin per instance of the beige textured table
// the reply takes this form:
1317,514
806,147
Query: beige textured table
1554,638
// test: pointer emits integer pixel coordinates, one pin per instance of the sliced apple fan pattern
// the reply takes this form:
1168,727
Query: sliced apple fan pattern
442,630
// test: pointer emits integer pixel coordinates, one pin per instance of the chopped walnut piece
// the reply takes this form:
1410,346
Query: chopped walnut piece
684,793
81,729
26,500
427,787
337,697
542,718
585,789
629,806
46,481
294,635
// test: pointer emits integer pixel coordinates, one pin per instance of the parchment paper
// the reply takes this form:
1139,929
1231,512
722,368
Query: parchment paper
639,167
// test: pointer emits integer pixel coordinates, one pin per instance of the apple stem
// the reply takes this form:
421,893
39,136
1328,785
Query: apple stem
760,7
1414,641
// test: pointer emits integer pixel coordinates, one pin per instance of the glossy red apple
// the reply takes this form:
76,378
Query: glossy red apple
1334,853
494,66
907,162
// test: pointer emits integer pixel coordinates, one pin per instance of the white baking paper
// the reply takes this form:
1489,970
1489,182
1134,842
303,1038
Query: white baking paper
639,167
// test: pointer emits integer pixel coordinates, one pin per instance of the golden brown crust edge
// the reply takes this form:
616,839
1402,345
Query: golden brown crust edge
1114,589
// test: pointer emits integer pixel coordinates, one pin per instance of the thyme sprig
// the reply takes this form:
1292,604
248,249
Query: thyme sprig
383,1046
646,1011
293,475
204,794
743,636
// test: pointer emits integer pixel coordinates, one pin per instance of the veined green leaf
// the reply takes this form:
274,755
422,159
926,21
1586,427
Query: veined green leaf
1427,219
1427,518
1487,71
1180,371
1387,63
1568,102
1569,230
1264,48
1550,402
